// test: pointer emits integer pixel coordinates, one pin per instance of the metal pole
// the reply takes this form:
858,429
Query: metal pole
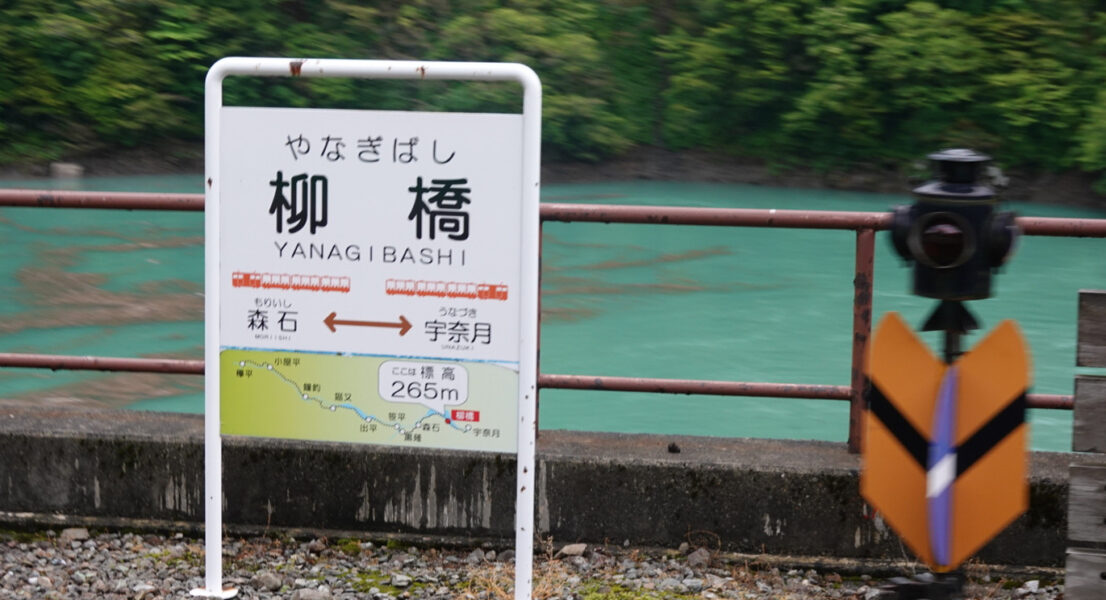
695,386
102,200
213,441
57,362
739,217
537,372
551,211
952,345
862,331
529,305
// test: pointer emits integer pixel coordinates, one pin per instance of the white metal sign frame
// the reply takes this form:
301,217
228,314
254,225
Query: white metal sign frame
529,235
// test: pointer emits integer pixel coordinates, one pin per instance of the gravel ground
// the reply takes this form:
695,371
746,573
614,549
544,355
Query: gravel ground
126,566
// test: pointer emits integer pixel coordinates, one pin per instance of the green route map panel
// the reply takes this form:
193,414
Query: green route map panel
367,399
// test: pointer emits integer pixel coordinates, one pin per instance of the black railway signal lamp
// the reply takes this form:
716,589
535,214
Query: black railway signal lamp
952,233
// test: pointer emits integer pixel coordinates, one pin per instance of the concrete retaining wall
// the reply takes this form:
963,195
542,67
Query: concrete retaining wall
741,495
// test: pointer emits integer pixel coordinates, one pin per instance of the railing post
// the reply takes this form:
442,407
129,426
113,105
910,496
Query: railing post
862,330
537,336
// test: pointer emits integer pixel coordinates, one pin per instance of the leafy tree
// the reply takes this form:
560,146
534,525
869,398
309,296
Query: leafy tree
792,82
926,60
1033,97
734,75
551,38
840,114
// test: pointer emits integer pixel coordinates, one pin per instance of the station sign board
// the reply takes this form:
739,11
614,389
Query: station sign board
372,276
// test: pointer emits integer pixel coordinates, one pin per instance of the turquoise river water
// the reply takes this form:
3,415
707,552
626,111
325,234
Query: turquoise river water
742,304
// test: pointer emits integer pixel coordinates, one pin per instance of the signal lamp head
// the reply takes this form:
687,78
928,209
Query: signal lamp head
941,239
952,232
958,167
1002,237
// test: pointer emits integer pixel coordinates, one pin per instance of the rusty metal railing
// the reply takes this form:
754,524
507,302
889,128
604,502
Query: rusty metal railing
865,224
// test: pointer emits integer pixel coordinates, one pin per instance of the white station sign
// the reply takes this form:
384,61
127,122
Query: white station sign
378,243
371,276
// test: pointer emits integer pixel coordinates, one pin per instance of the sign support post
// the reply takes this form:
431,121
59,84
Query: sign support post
513,351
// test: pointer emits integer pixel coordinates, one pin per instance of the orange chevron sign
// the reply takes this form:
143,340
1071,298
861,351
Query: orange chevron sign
945,446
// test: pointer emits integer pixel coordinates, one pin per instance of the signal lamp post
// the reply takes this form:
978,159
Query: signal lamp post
945,438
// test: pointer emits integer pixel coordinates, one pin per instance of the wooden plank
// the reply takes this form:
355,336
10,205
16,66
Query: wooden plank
1087,504
1091,350
1086,575
1089,421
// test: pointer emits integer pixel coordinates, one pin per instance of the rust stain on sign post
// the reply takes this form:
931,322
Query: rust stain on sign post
296,67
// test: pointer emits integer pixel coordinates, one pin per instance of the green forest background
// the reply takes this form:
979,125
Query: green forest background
793,83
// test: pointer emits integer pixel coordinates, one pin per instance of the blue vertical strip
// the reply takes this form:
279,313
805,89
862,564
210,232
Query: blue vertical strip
941,470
